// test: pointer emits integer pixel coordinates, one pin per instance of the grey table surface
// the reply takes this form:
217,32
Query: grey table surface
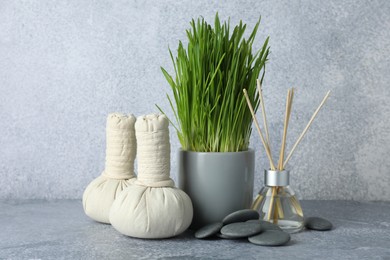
39,229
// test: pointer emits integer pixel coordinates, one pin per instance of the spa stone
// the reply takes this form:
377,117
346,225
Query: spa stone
241,216
241,229
270,238
316,223
265,225
208,230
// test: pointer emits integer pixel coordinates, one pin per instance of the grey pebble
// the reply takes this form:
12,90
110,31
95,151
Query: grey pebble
224,236
270,238
241,216
208,230
265,225
241,229
317,223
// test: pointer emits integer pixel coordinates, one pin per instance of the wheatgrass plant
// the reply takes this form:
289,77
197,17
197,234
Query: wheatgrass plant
210,75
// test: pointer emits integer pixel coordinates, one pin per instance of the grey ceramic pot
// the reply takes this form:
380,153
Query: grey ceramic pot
217,183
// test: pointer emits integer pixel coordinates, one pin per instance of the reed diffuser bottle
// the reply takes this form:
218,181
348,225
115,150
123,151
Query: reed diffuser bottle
276,201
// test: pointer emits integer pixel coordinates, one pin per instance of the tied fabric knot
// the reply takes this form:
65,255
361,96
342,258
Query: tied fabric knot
120,147
153,152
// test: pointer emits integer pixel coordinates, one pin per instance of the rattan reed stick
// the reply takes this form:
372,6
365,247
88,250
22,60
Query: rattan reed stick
271,203
285,127
306,128
267,150
259,89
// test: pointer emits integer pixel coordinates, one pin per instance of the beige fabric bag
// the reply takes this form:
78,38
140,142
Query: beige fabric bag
119,169
152,207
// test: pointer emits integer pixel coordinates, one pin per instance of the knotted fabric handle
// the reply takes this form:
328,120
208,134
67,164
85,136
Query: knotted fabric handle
154,151
121,147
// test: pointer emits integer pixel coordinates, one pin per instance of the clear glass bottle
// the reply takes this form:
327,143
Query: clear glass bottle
277,202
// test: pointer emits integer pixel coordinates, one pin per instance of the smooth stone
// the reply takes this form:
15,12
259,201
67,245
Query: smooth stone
241,216
316,223
224,236
241,229
265,225
270,238
208,230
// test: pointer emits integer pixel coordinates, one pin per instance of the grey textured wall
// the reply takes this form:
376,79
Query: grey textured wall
64,65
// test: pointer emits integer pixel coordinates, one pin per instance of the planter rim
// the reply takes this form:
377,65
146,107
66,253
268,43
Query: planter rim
250,150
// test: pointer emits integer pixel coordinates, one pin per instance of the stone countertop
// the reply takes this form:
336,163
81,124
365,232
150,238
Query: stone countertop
39,229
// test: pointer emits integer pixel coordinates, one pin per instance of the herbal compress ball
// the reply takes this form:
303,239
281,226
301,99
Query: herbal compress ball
152,207
119,169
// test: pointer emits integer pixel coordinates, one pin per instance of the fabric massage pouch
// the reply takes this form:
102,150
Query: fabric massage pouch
152,207
119,169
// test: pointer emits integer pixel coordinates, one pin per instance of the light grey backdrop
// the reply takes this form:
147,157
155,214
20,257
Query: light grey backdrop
64,65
